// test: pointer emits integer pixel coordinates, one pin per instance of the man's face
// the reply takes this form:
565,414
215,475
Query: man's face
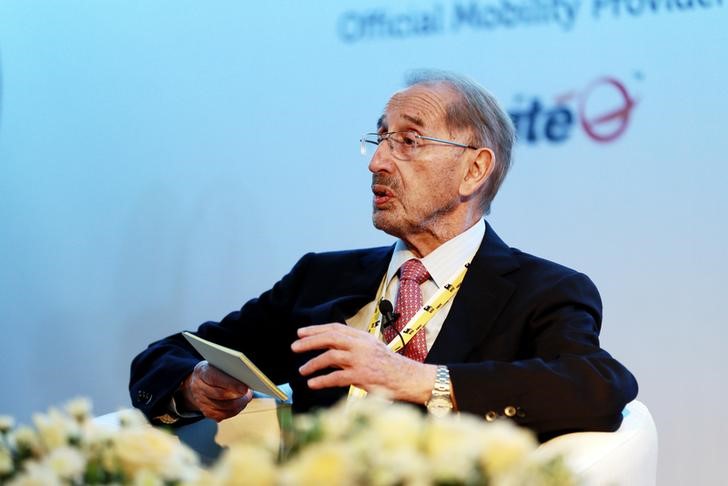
417,196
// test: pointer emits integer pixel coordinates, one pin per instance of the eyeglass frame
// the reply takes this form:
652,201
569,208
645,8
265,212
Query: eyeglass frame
387,136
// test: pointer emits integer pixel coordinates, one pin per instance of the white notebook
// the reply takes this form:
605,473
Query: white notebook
235,364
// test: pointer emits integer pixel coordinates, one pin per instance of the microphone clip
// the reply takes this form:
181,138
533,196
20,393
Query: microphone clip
389,317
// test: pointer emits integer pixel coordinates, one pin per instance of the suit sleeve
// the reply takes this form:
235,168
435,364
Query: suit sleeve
560,380
261,329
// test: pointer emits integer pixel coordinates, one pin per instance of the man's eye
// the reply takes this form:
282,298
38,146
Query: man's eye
409,139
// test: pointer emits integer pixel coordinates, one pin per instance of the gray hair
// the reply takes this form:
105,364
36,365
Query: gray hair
479,112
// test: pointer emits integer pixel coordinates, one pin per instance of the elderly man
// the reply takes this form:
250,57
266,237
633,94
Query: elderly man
476,326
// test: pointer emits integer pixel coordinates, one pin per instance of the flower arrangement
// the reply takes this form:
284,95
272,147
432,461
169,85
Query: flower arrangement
375,442
66,447
362,442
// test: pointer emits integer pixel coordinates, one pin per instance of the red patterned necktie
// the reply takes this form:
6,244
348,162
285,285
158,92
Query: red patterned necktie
409,300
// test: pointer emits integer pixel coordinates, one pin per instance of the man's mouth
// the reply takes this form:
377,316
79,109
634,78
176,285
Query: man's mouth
382,194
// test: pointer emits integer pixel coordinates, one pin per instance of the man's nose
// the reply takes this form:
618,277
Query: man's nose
382,160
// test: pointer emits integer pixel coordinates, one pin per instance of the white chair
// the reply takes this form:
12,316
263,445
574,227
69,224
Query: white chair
626,457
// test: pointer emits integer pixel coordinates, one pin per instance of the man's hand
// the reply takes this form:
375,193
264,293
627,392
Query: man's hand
362,360
215,394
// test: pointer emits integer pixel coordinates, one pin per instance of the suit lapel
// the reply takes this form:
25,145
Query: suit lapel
362,284
477,304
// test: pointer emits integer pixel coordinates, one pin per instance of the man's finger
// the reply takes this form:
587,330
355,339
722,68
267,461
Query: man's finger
332,358
222,409
325,340
334,379
236,404
216,378
217,393
322,328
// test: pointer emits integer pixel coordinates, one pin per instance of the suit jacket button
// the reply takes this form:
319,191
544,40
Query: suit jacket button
491,416
510,411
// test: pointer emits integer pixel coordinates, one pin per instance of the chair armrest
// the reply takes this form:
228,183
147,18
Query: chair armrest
627,456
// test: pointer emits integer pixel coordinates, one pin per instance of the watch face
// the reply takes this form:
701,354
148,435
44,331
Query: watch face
439,406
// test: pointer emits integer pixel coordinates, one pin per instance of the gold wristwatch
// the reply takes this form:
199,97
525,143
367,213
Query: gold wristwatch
440,403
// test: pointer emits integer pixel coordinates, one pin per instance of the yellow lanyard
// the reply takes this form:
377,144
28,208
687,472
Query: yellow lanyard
417,322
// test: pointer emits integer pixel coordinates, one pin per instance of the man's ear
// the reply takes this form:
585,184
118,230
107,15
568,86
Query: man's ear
478,171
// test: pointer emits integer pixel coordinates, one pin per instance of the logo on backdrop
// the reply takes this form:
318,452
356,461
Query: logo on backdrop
459,16
602,110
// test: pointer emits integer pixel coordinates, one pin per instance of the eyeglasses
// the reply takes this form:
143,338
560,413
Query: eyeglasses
403,145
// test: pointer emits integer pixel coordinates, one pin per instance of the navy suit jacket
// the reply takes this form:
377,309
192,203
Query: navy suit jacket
521,339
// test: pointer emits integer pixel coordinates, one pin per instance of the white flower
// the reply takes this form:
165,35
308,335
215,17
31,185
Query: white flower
154,450
205,477
245,464
25,437
145,477
132,417
6,423
370,407
397,427
336,422
95,435
322,463
399,466
453,444
79,408
504,446
6,461
67,462
55,429
537,471
350,417
35,475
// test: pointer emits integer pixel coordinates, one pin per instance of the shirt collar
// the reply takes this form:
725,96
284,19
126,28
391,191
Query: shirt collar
446,259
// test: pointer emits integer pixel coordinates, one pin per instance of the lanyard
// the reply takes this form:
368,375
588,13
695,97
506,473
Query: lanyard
417,322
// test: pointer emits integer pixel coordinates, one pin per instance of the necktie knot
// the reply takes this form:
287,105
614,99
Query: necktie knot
413,269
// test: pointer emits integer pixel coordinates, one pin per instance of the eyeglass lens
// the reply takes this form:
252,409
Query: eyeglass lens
402,144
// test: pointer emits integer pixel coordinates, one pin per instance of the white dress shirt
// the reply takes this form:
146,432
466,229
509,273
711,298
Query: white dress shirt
443,263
